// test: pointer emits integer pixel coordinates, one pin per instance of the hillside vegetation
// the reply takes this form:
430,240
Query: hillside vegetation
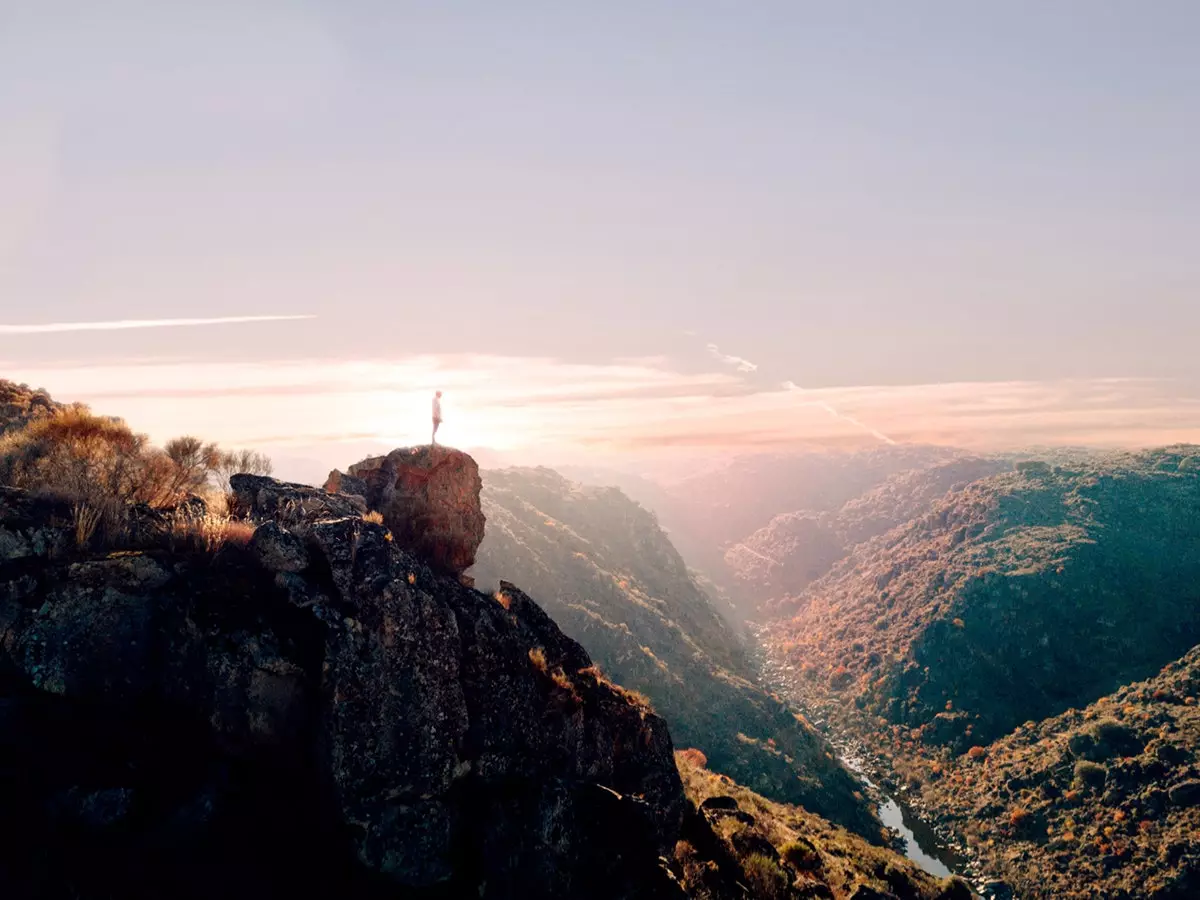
1015,598
1102,802
604,570
795,549
733,837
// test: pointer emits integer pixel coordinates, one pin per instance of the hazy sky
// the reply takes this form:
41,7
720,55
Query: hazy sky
530,203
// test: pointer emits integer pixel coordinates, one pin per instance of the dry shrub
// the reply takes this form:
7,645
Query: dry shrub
188,530
765,877
694,757
537,656
374,517
85,520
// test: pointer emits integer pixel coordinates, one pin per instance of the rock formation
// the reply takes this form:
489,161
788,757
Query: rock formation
316,713
428,497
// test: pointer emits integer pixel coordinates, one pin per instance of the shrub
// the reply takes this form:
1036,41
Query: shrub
765,877
240,462
1090,774
537,656
977,752
201,532
801,855
694,757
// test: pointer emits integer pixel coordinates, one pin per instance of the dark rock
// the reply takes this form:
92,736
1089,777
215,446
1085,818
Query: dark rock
261,497
363,727
1186,793
718,802
278,549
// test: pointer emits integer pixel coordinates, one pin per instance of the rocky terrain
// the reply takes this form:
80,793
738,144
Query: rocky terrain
313,711
733,837
1100,803
1014,599
603,569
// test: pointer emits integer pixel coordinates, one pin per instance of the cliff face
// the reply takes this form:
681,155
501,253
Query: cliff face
607,574
316,712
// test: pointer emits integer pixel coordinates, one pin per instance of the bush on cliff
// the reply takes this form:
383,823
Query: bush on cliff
103,469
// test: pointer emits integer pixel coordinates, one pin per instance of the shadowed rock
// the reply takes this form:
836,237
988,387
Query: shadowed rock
315,714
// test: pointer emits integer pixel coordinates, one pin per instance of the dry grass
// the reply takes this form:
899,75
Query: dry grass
85,520
374,517
537,656
205,532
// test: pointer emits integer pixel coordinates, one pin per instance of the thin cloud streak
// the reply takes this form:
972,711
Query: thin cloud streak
742,365
126,324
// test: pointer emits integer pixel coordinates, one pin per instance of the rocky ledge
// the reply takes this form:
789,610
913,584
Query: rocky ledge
319,711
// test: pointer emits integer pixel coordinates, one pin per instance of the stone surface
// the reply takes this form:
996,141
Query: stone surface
229,725
428,497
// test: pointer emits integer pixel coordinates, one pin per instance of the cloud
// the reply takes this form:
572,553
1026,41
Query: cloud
742,365
550,408
123,324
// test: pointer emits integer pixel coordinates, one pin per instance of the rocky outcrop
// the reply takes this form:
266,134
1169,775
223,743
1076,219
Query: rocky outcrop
316,713
429,498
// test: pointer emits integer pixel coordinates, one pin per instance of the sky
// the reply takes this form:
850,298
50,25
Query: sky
620,228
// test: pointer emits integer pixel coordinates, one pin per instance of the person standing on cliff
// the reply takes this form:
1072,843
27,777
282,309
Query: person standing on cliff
437,415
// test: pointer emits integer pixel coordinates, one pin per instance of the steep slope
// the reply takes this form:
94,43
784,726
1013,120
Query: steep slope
314,713
1097,803
795,549
606,573
733,837
1014,599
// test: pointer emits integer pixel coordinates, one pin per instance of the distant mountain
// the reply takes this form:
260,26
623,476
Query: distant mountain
603,569
1013,599
796,548
1107,796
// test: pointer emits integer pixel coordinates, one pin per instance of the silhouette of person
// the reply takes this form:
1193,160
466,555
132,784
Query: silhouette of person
437,415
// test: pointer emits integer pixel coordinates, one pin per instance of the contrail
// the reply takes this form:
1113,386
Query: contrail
744,365
792,386
123,324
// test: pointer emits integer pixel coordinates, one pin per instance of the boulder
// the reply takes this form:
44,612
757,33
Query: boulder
261,497
428,497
